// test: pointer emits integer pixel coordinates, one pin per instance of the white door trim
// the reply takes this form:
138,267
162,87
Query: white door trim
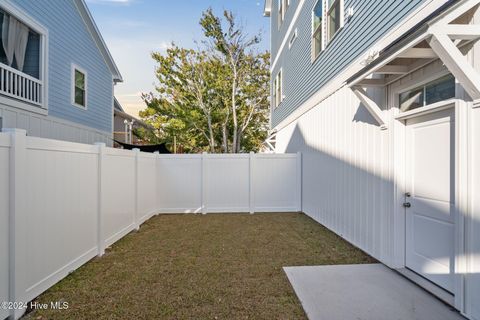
461,187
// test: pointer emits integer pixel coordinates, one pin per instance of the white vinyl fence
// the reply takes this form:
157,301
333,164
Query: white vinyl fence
63,203
229,183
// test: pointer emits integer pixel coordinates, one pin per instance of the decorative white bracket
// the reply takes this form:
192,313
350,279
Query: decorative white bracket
456,62
371,106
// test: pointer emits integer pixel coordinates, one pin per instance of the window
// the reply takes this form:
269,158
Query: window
293,38
23,58
79,87
434,91
317,27
334,17
278,89
282,9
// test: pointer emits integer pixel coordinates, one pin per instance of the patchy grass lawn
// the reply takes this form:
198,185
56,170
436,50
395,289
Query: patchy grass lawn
217,266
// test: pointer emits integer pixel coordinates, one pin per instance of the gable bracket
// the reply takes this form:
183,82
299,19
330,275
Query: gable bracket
456,63
371,106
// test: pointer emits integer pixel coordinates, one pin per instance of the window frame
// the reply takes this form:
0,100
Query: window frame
423,86
320,29
73,87
283,6
328,10
278,89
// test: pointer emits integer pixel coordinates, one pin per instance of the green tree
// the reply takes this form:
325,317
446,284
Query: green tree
214,98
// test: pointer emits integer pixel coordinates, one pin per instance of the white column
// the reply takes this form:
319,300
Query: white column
100,208
17,219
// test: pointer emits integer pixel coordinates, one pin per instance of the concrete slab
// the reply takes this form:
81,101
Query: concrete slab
363,292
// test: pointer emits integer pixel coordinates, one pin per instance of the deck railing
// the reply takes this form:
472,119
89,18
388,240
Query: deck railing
21,86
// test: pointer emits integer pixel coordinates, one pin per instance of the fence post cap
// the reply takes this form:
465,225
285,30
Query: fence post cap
156,152
100,144
136,150
15,130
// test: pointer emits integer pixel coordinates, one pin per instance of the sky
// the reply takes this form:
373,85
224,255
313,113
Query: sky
133,29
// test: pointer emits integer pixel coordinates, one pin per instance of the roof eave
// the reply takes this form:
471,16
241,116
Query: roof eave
95,32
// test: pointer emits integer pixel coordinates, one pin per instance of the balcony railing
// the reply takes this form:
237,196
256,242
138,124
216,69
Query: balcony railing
21,86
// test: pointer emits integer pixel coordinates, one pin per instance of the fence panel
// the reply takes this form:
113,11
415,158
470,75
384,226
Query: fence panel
147,186
180,183
60,227
118,194
227,183
276,182
4,212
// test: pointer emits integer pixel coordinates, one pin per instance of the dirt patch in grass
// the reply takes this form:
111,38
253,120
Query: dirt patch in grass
215,266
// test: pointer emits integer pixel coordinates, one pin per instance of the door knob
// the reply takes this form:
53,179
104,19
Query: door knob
407,204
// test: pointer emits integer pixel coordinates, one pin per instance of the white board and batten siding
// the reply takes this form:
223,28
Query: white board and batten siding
345,171
473,221
63,203
230,183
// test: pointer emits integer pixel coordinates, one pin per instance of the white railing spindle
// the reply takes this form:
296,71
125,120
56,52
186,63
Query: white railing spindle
21,86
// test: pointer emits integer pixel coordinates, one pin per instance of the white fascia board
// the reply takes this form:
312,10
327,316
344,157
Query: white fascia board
97,37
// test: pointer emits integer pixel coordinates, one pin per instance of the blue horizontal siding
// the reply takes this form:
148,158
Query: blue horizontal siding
71,42
302,78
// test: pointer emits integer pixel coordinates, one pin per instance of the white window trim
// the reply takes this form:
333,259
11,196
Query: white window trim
275,105
293,37
281,15
283,6
72,93
33,24
342,20
422,85
322,30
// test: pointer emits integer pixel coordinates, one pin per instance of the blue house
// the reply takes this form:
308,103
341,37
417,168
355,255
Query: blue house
382,98
57,76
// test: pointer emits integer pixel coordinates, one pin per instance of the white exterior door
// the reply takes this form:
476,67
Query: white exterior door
429,202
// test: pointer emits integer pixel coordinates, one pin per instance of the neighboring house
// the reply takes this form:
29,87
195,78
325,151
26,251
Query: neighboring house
382,98
124,125
56,73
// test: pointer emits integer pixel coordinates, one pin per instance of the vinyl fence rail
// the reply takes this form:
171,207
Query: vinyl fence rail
63,203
